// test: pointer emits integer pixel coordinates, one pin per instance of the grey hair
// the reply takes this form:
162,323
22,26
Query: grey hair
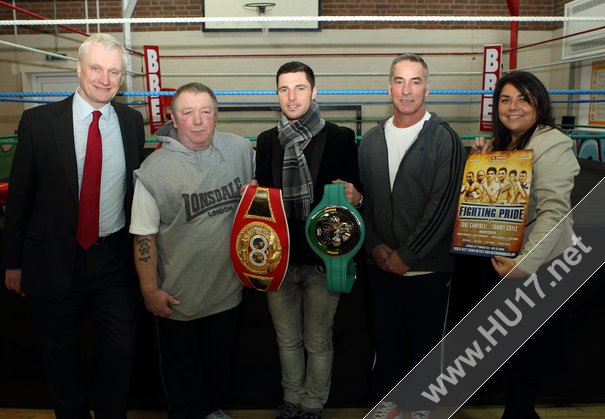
109,42
197,88
409,56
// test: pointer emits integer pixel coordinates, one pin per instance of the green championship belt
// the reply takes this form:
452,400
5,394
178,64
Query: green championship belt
335,232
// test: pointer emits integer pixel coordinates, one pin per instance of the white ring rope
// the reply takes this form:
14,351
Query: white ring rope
39,51
376,74
59,56
269,19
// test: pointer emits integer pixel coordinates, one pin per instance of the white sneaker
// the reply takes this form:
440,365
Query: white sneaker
218,414
420,414
387,410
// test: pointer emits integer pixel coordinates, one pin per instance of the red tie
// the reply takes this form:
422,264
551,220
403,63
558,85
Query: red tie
90,192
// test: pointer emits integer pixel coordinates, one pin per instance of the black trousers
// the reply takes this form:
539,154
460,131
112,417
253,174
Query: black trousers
195,362
105,289
541,357
408,320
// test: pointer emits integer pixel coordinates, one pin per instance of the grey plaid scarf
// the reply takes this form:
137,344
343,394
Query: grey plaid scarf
297,184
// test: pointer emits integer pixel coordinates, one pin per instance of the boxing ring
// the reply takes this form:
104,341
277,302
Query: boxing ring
349,94
459,104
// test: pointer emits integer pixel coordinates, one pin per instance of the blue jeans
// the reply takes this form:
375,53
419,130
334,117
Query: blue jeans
303,313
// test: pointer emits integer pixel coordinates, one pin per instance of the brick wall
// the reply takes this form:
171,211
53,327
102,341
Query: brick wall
64,9
437,8
70,9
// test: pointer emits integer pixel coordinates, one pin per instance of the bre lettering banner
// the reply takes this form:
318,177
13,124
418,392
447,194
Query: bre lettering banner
492,209
154,77
492,59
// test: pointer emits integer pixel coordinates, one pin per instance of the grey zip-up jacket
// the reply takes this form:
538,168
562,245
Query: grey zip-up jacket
416,218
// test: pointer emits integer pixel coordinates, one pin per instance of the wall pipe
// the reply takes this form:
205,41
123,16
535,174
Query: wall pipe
513,8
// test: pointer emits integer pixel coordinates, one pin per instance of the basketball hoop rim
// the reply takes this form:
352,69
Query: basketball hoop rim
259,4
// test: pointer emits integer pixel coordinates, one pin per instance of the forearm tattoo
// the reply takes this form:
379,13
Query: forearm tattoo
144,249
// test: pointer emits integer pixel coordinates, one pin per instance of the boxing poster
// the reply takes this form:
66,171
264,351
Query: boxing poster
492,209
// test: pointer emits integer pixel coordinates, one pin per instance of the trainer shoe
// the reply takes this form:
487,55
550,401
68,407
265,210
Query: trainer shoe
420,414
288,411
387,410
218,414
310,414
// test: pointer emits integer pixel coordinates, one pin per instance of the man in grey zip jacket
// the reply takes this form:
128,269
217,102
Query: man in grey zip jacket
411,165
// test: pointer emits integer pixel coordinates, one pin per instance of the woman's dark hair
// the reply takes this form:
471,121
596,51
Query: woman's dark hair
534,92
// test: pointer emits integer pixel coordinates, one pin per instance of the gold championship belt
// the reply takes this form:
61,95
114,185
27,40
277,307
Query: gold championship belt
335,231
260,241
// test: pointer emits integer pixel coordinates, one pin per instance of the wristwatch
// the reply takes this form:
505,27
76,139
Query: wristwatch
260,240
335,232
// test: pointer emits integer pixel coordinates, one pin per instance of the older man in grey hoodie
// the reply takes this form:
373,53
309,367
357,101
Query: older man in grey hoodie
186,195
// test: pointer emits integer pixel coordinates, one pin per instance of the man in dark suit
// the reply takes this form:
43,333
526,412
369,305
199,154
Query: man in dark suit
65,242
301,155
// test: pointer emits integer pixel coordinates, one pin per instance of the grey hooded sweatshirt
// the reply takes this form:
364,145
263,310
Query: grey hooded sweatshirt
197,193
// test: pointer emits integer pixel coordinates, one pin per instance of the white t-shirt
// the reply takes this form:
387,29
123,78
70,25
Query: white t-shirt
145,219
399,140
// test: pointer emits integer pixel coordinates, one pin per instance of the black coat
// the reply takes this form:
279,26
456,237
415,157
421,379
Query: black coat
42,211
337,151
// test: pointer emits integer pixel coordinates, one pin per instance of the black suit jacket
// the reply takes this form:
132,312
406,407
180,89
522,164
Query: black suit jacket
331,155
42,211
